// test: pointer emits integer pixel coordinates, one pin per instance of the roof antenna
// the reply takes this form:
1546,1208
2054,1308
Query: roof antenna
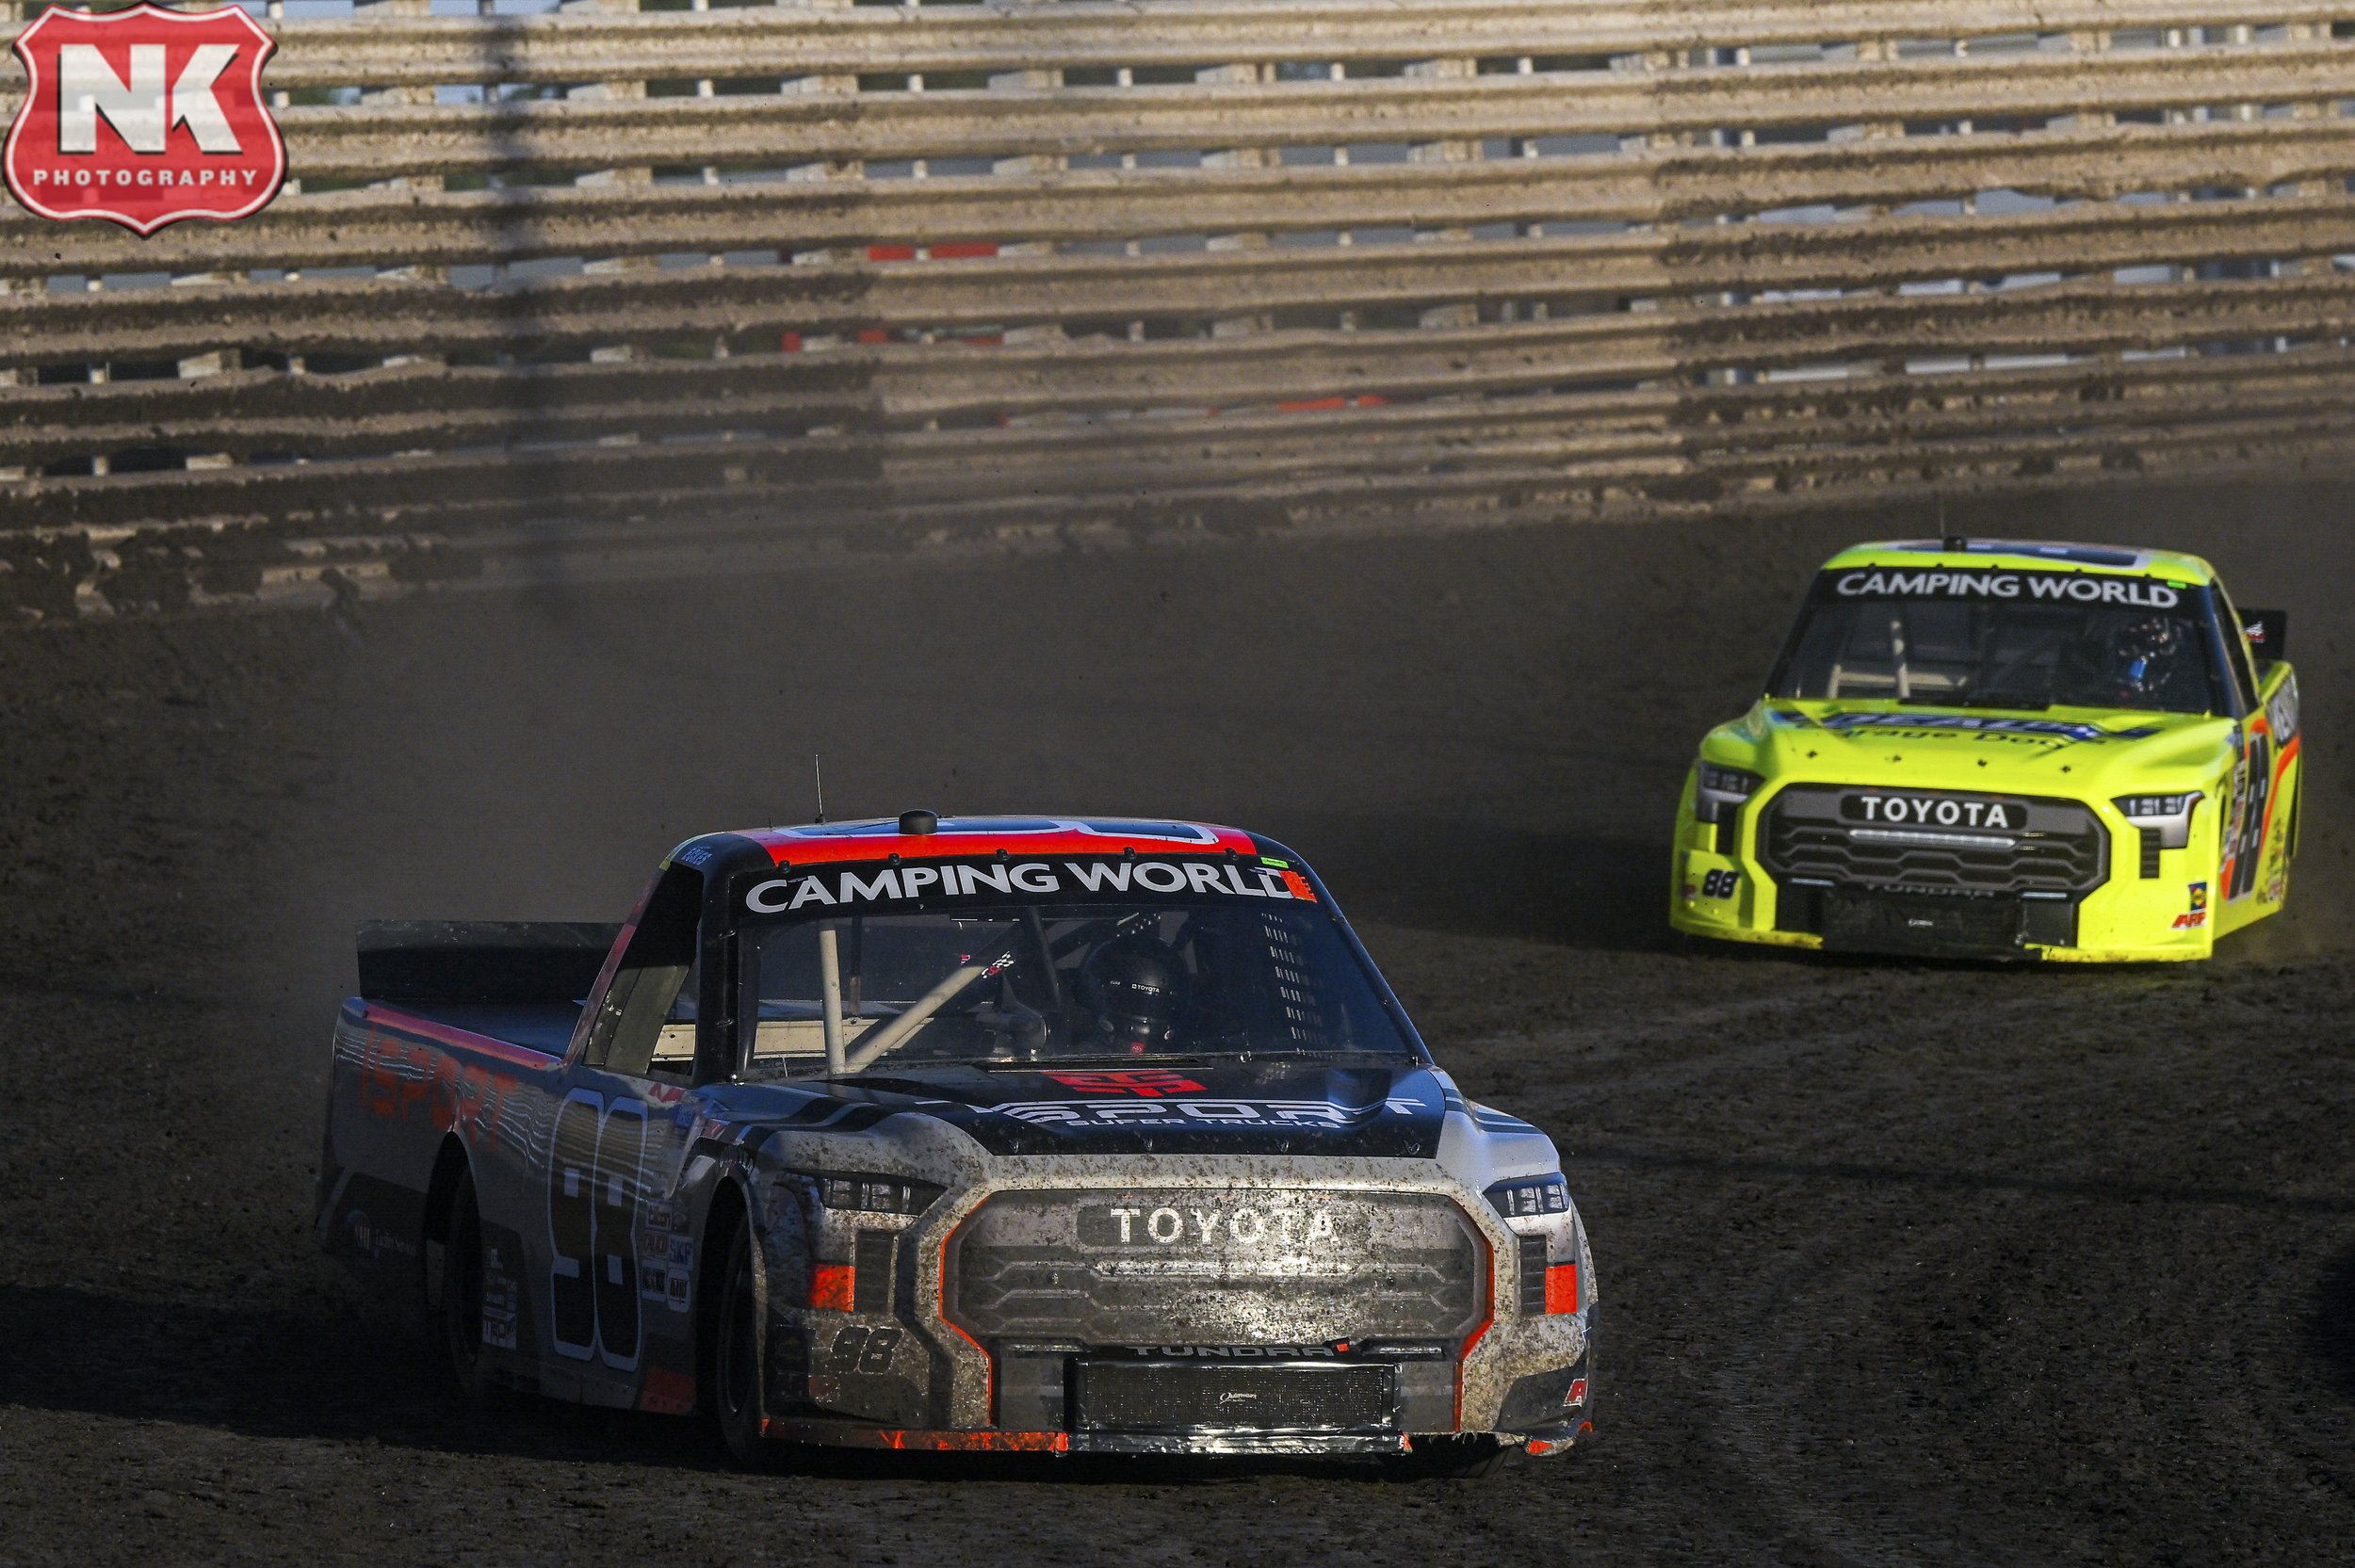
1954,544
818,772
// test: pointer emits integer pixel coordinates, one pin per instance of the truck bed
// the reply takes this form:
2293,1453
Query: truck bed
494,986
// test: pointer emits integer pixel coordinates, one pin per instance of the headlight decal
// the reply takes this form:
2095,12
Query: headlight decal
1718,792
1531,1197
2169,816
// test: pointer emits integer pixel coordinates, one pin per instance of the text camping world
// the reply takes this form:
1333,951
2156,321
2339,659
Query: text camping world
2065,585
784,895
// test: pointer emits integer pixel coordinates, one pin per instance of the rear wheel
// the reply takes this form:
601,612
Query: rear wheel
461,1294
735,1352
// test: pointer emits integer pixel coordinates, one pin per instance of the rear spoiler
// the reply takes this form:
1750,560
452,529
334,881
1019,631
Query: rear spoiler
481,961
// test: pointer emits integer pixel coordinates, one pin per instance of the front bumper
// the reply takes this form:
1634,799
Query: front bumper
2139,906
904,1361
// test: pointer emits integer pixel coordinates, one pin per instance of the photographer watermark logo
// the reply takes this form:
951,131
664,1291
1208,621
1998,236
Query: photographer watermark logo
144,117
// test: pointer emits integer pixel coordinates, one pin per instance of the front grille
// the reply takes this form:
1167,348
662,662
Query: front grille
1225,1265
1150,1396
1811,834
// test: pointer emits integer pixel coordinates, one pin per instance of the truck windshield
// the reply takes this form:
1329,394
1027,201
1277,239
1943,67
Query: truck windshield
2146,648
965,980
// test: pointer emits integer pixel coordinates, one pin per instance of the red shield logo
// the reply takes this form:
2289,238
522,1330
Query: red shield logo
144,117
1151,1082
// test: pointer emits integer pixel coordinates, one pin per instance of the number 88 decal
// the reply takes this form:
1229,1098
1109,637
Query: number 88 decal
593,1184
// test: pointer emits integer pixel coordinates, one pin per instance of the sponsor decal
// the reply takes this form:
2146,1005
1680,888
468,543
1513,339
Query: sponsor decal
1149,1082
144,117
2191,920
2199,896
1577,1396
1197,1113
2281,713
2055,587
1944,812
667,1255
1280,1227
1025,880
695,854
2054,729
374,1242
502,1296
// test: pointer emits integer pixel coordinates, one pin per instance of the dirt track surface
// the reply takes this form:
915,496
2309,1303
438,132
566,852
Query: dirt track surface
1899,1263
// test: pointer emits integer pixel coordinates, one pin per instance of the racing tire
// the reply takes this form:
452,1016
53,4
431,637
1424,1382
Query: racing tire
461,1298
737,1352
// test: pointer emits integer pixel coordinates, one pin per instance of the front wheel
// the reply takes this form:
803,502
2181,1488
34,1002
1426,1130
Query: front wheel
736,1360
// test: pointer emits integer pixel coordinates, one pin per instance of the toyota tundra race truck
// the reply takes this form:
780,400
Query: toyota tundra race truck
1019,1134
2000,750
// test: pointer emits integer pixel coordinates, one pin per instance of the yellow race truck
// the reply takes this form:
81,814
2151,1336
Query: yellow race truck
1995,749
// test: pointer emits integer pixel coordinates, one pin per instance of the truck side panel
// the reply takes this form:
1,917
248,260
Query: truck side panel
399,1084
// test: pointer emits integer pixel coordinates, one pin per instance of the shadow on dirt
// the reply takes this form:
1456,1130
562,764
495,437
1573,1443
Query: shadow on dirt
263,1370
346,1374
2334,1319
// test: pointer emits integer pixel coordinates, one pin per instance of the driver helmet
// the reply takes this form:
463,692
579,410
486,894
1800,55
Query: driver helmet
2143,652
1134,983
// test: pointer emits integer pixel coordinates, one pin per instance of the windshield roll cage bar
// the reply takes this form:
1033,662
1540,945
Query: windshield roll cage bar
2221,669
722,1051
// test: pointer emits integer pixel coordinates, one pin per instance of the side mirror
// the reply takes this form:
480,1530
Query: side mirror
2269,633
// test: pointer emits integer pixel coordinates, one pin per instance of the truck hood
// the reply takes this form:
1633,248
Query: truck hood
1262,1107
2067,752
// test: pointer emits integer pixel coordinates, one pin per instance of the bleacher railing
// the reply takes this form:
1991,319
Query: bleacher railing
881,272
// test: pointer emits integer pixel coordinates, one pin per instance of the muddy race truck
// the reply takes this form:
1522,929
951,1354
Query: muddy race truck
1026,1134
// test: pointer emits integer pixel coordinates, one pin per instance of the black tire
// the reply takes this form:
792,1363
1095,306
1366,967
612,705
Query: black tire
461,1296
739,1352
